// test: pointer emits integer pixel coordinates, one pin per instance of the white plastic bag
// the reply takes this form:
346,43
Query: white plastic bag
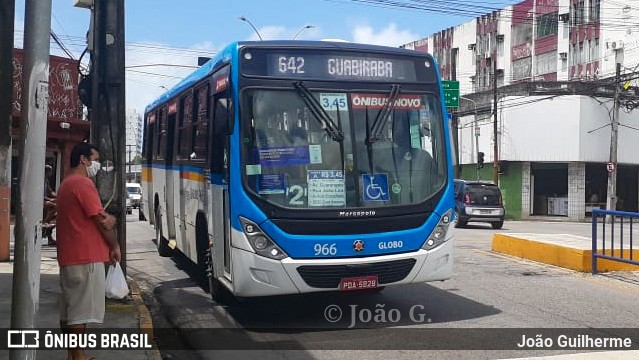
116,286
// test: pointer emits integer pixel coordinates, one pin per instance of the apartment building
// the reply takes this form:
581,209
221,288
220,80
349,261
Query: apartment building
552,64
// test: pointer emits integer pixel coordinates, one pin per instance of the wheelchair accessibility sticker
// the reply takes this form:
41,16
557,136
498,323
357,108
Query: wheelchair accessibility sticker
375,187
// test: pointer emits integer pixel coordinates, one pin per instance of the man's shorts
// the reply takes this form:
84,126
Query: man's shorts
82,298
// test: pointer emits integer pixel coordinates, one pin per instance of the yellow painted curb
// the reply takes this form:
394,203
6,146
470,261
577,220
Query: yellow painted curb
145,321
562,256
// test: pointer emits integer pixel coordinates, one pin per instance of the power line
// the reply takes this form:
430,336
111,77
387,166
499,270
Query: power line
169,65
61,45
154,74
475,10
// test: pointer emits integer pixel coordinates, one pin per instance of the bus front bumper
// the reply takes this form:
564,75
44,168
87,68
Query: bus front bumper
254,275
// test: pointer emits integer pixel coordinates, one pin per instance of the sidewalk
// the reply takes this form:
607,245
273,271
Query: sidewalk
564,250
129,313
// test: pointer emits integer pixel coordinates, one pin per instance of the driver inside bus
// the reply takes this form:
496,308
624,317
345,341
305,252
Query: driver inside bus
410,166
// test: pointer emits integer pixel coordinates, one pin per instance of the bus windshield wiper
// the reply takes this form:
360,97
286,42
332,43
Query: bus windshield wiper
369,144
318,112
382,116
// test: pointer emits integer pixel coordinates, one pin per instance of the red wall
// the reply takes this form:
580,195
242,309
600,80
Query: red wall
64,104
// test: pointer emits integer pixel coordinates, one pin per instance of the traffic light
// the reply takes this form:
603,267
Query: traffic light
480,160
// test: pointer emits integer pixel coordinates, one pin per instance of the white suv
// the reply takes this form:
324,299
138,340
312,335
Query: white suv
134,191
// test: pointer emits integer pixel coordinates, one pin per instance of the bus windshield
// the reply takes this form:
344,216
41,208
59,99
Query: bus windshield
295,156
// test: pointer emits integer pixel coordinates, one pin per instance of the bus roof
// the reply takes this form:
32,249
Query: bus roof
226,54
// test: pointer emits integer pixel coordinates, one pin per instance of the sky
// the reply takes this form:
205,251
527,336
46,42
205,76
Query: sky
165,37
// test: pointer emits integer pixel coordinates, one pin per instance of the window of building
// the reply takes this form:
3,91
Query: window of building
595,10
522,33
580,54
522,68
483,44
546,63
547,24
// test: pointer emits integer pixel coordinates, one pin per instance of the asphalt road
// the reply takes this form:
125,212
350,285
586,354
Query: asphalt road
488,293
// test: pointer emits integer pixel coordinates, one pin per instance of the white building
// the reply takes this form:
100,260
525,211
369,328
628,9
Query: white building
133,131
553,148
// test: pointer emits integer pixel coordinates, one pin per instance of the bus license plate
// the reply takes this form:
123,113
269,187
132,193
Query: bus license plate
357,283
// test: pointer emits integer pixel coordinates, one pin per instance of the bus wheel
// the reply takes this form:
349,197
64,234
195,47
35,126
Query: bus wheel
163,244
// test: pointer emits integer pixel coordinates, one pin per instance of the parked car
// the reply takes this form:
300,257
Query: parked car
478,201
129,206
134,191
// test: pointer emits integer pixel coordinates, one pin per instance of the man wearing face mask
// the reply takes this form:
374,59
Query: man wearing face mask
86,240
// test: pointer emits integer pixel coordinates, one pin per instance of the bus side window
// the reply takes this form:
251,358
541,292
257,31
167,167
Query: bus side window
185,145
149,135
200,126
161,130
222,115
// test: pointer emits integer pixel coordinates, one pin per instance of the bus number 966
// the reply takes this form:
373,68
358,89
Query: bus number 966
325,249
291,65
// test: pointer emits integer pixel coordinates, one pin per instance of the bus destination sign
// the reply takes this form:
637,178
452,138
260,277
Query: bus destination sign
319,64
340,67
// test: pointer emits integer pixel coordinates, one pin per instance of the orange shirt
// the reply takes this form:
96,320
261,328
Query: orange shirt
79,240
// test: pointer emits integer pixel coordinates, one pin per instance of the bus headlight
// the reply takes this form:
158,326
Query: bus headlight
438,236
260,242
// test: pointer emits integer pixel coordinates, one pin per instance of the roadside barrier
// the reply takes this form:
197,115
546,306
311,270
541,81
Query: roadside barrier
616,231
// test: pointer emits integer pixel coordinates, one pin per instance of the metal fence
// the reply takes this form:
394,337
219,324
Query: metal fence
616,231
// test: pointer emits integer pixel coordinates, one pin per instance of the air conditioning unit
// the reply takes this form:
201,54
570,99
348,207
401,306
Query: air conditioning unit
616,45
564,17
471,46
500,37
563,56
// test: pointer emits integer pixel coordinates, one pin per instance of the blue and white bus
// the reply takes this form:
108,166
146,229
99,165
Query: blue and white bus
286,167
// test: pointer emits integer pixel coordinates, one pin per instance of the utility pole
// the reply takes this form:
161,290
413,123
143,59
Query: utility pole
611,201
7,14
475,136
107,113
495,144
33,136
455,119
